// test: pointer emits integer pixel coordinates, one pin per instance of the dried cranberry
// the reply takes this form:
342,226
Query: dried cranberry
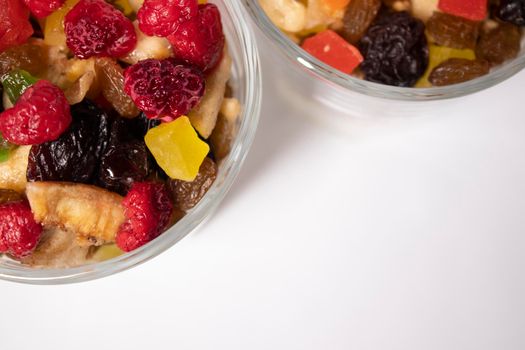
148,210
43,8
164,89
95,28
41,114
75,156
19,232
163,17
395,50
15,27
201,40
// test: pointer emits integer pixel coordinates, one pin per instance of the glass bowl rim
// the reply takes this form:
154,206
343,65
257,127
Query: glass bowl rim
232,164
347,82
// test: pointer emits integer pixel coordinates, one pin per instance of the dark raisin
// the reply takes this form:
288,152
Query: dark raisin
499,44
452,31
512,11
458,70
358,16
126,159
187,194
395,50
142,124
75,156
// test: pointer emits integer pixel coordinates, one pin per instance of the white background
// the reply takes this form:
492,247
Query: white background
401,235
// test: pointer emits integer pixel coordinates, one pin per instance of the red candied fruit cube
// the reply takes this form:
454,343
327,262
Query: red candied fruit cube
15,28
475,10
333,50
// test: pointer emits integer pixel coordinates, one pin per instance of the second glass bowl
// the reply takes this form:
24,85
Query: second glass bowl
320,83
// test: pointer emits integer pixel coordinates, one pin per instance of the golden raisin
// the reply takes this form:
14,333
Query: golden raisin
111,77
187,194
458,70
30,57
499,44
358,16
451,31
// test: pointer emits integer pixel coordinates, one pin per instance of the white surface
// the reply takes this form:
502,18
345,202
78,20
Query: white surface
406,235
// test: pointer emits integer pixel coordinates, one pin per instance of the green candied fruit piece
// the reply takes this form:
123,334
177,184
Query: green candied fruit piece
5,149
438,55
4,155
16,82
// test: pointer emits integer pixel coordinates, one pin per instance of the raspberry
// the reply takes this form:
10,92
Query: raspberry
164,89
43,8
162,17
41,114
19,232
148,210
15,27
95,28
201,40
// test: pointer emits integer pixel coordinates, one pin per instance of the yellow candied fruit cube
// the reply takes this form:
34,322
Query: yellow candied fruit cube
202,1
54,28
177,148
439,54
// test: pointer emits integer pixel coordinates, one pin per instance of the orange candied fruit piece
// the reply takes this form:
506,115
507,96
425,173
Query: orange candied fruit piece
475,10
333,50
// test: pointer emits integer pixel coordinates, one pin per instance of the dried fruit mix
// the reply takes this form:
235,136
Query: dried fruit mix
104,123
402,42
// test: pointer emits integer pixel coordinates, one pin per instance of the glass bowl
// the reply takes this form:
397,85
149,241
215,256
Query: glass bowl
246,86
317,82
